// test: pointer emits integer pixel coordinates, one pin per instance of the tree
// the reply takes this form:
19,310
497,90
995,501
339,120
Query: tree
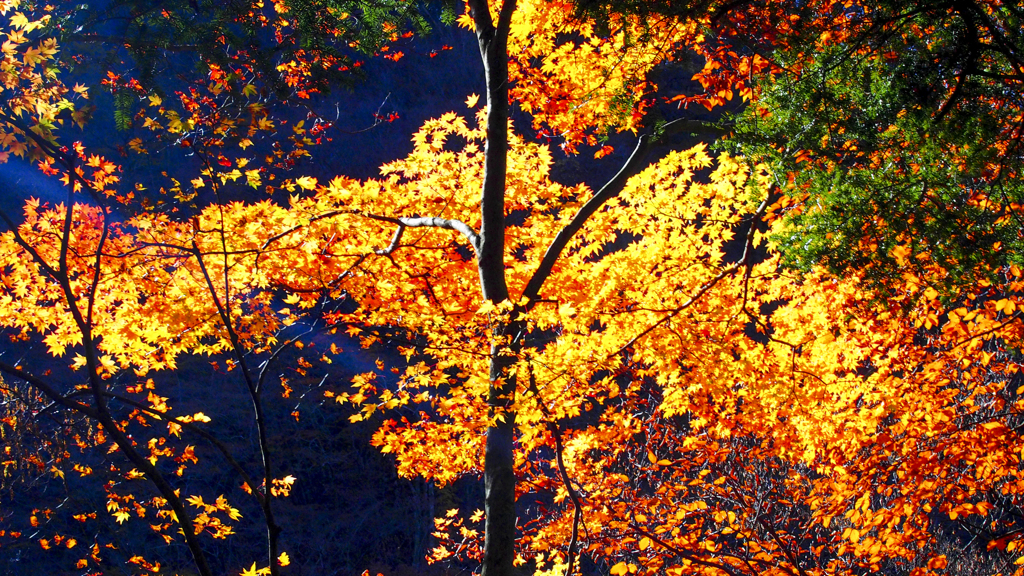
903,127
629,364
79,274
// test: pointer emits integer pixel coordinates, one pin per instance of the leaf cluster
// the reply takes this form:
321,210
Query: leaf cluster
896,127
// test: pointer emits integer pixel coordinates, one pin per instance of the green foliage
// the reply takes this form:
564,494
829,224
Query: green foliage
898,135
123,108
449,12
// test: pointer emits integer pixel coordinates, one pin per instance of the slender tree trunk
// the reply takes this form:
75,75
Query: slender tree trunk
499,476
100,413
165,489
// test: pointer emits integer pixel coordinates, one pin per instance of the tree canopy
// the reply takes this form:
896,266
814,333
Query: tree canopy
638,374
900,125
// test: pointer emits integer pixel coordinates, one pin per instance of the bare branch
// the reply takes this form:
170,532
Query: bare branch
284,233
574,496
265,368
50,391
252,386
395,240
116,41
432,222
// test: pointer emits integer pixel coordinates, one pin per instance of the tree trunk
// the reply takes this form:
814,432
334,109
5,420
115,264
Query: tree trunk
499,476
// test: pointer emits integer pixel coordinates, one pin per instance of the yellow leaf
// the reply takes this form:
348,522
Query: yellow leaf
252,177
306,182
620,569
19,20
472,100
466,21
283,559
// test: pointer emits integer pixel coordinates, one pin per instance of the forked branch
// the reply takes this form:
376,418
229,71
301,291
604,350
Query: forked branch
610,190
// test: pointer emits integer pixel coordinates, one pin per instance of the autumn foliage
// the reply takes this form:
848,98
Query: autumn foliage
670,397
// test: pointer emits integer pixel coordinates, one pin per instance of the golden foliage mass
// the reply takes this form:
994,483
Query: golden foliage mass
700,408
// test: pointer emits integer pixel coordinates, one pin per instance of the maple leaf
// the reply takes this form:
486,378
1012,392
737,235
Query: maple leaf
306,182
19,20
